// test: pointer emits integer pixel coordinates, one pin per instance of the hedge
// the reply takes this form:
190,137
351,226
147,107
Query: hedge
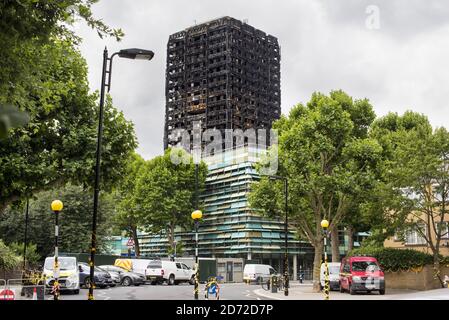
391,259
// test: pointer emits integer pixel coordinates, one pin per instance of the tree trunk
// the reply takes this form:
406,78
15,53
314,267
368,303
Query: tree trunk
136,241
335,244
436,269
317,265
350,233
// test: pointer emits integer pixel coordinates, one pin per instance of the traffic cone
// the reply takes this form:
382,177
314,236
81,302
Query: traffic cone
34,294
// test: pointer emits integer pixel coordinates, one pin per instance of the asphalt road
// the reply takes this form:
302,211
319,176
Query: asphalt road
235,291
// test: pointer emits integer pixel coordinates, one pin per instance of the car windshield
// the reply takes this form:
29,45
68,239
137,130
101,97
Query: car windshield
64,263
365,266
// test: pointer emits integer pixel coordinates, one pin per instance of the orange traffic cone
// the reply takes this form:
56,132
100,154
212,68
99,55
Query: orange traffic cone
34,294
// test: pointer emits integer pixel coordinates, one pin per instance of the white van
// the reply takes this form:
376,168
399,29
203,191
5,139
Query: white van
334,275
258,272
69,278
172,272
134,265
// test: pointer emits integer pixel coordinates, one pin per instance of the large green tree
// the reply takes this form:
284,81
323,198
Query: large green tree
58,144
75,220
416,182
165,193
328,159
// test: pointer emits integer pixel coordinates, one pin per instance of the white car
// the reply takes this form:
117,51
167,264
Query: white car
258,272
68,274
334,275
172,272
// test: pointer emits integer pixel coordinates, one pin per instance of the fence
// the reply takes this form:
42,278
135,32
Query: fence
24,289
307,274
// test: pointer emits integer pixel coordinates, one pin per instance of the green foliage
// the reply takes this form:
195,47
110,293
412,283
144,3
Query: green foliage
75,221
8,259
59,143
32,257
392,259
165,193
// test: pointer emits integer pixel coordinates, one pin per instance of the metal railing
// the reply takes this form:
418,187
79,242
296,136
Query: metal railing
24,289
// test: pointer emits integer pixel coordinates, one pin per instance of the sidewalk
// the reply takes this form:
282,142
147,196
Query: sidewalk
305,292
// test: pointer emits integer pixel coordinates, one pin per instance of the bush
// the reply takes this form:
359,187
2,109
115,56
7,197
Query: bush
391,259
8,259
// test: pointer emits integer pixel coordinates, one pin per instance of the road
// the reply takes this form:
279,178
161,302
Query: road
234,291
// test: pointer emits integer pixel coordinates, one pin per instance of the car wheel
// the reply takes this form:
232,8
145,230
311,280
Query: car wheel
171,280
127,281
153,283
351,291
192,280
382,292
87,282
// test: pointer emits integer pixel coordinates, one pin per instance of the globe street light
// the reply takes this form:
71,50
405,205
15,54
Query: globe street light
196,216
107,70
325,225
56,207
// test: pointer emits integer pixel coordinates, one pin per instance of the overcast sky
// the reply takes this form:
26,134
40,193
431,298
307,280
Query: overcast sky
399,61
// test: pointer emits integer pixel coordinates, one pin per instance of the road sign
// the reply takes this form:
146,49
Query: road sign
130,243
7,295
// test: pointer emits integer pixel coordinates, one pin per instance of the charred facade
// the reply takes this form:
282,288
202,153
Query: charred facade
223,73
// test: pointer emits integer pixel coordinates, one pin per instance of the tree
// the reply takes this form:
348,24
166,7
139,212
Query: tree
418,173
75,220
32,257
165,193
127,217
328,158
58,144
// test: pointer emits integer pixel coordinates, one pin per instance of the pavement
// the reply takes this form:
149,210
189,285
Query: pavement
305,292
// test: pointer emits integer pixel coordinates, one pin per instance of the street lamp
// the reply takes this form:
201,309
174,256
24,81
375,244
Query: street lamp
196,216
56,207
325,225
286,277
107,70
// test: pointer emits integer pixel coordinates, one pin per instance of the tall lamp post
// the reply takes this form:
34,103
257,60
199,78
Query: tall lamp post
196,216
286,276
56,207
25,240
325,226
107,71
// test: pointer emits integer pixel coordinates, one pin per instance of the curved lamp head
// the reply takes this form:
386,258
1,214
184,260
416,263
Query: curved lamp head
135,53
197,214
57,205
324,224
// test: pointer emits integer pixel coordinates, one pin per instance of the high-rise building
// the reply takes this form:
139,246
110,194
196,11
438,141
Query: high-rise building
223,73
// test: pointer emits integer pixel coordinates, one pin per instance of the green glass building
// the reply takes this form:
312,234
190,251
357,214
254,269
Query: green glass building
230,228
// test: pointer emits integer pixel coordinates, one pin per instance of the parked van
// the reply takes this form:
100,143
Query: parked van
133,265
257,272
361,274
334,275
68,274
172,272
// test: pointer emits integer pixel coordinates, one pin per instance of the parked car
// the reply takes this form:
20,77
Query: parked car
125,278
334,275
171,272
68,274
361,274
258,272
102,278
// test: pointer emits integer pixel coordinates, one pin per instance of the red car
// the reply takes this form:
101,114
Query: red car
361,274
